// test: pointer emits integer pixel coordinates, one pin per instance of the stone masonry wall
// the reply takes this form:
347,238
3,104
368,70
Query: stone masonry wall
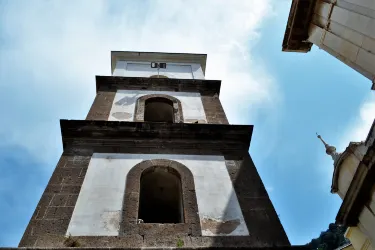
214,111
55,208
260,216
101,106
50,220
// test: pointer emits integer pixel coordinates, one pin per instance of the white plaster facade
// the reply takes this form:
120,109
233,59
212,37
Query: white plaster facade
172,70
98,208
123,106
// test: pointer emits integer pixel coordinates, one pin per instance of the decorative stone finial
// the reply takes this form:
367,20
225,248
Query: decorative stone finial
330,150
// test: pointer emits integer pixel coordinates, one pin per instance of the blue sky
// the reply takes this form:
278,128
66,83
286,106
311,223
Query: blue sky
50,52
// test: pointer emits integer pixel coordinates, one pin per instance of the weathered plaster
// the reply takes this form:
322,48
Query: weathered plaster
123,106
102,193
173,70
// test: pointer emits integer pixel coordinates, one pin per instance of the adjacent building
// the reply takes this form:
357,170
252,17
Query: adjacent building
343,28
155,164
354,181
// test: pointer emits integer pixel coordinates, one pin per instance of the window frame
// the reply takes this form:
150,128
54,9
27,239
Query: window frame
130,224
141,105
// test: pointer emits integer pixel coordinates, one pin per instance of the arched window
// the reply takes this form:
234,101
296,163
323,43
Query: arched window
160,195
158,109
160,199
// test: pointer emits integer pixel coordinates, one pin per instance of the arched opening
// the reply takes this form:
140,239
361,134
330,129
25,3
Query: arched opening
158,109
160,198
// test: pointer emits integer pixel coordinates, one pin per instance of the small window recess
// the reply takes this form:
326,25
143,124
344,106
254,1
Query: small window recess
158,65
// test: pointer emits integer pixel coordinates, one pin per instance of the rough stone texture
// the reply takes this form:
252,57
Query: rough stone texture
259,214
214,111
113,83
86,137
101,106
191,225
55,208
154,248
140,107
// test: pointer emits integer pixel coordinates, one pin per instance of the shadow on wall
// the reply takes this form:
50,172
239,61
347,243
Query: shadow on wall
127,100
263,224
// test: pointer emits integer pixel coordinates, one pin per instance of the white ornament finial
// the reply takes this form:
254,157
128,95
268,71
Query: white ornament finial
330,150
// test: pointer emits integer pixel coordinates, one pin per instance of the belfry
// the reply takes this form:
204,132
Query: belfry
155,164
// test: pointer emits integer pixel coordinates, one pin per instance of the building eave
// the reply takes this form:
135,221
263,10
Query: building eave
158,56
296,32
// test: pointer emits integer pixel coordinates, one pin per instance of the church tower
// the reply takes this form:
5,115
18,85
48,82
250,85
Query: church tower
155,164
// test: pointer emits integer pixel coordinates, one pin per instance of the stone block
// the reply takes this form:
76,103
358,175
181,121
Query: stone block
52,189
59,213
27,241
128,241
59,200
71,189
72,199
40,212
166,241
42,227
180,229
50,241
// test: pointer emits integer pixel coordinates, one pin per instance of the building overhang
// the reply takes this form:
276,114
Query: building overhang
350,150
114,83
87,137
359,191
296,33
158,56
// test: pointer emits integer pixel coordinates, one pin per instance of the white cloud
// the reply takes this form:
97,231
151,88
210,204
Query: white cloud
61,45
360,127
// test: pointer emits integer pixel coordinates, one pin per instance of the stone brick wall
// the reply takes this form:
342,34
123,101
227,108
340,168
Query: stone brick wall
51,218
214,111
260,216
55,208
101,106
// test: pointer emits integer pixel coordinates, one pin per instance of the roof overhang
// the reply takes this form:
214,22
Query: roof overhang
296,33
158,56
359,191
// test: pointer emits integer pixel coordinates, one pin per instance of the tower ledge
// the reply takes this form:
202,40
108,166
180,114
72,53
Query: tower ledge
87,137
114,83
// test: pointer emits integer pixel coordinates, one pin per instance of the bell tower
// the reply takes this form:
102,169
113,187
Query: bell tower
155,164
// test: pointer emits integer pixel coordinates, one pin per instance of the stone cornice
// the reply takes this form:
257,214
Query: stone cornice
371,135
86,137
359,190
114,83
338,163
